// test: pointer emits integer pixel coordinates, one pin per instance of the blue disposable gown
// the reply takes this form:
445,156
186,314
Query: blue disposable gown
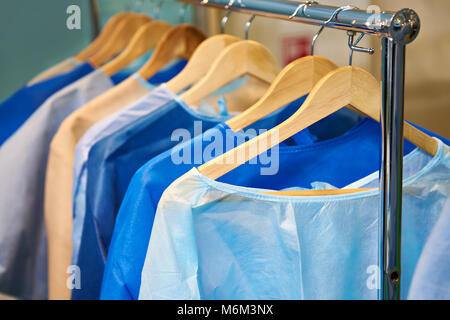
112,162
431,279
23,161
328,159
109,125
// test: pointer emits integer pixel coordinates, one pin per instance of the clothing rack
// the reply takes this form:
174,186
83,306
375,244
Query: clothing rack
396,30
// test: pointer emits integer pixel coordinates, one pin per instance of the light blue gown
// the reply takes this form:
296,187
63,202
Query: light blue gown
212,240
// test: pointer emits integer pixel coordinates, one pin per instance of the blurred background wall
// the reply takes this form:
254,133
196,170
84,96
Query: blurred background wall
36,38
428,65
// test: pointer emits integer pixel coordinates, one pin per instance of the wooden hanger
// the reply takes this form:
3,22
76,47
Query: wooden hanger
343,86
180,41
119,39
145,39
201,61
315,193
241,97
294,81
245,57
104,35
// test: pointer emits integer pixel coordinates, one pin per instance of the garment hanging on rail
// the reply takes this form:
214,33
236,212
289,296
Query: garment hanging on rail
99,182
332,162
23,160
155,99
108,126
141,138
431,280
164,169
22,156
58,183
212,240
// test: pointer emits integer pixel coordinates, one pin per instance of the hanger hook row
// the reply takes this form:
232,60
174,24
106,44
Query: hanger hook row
247,26
353,45
230,4
226,17
224,21
303,7
333,17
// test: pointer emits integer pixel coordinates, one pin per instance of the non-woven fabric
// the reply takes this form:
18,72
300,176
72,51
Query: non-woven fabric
212,240
59,174
23,160
431,280
300,164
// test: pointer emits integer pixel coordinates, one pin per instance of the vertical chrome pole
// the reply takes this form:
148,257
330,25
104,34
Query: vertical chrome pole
404,28
392,164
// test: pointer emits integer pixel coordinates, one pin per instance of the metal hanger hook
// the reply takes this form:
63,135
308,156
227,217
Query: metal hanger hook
226,17
333,17
248,25
302,6
353,46
230,4
224,21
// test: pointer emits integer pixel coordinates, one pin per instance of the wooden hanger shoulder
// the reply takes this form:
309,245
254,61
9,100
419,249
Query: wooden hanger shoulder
303,193
341,87
420,139
242,58
119,39
201,61
330,93
366,97
145,39
294,81
103,37
180,41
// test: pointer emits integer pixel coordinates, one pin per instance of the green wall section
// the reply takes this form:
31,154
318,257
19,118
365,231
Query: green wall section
34,36
169,10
